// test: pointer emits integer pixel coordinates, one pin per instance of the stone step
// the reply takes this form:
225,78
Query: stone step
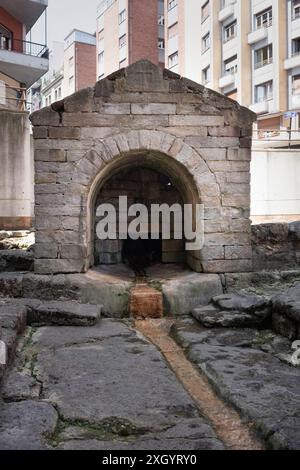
16,260
12,323
63,313
234,310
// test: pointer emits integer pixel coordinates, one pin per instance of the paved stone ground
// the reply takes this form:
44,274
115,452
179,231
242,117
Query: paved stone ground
101,387
246,368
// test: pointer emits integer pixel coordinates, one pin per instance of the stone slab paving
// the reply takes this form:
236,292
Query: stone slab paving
244,367
100,387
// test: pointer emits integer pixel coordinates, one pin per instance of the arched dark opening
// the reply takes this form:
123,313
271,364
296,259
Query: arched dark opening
141,185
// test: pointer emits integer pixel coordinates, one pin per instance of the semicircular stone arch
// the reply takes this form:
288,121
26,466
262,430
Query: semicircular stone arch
199,138
152,149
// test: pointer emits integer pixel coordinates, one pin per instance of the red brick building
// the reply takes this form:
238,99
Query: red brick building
128,31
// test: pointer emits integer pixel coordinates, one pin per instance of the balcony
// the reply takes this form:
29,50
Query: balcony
293,61
260,108
226,11
227,80
24,61
263,63
12,97
25,11
258,35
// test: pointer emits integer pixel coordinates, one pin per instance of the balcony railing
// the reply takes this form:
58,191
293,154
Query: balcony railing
25,47
265,25
12,97
268,61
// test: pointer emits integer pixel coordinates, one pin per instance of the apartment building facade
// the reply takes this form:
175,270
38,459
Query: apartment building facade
248,50
127,31
22,62
72,67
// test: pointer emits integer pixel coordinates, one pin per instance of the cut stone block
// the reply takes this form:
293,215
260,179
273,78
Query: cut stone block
146,302
62,313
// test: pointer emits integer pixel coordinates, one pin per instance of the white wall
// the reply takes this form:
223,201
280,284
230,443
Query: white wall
275,182
16,178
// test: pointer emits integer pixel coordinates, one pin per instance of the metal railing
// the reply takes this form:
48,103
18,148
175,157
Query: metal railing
265,25
13,97
25,47
268,61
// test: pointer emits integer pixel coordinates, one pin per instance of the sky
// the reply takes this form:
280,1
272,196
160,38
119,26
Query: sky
63,16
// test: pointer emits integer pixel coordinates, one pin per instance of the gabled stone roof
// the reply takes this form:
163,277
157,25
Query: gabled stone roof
145,77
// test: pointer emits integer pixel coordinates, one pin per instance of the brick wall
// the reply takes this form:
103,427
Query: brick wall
143,30
85,56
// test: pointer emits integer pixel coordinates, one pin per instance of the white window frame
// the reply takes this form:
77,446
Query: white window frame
295,9
173,60
206,4
267,95
206,42
263,19
206,75
269,60
230,31
122,16
172,4
122,41
231,65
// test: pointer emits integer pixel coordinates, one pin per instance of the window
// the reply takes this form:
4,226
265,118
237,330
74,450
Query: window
59,92
173,60
5,38
172,4
173,31
46,101
122,64
71,62
264,19
206,42
161,20
101,43
161,44
71,81
296,46
122,41
295,9
230,31
231,65
263,56
122,16
101,60
296,85
56,95
205,10
206,75
264,92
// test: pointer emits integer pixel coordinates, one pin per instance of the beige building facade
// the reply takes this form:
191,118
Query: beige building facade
128,31
248,50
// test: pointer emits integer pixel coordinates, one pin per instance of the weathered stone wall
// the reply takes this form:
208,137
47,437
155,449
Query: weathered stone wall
198,138
276,246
